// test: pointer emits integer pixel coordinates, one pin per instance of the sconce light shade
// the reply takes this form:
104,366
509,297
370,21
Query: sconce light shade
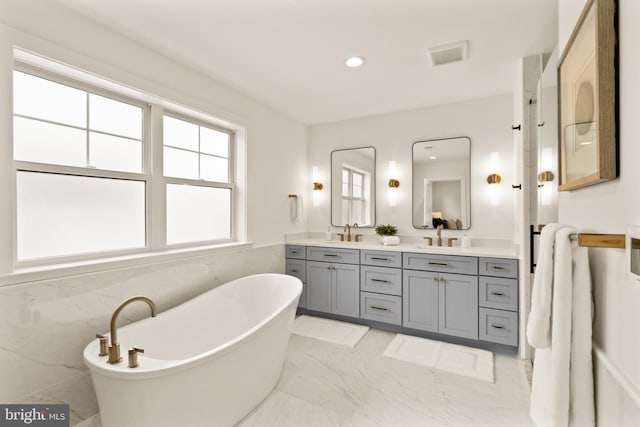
494,178
317,185
545,176
394,183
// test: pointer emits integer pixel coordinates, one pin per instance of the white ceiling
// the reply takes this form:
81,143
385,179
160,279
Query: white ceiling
289,54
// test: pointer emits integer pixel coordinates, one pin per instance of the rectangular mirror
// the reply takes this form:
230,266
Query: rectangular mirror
353,190
441,190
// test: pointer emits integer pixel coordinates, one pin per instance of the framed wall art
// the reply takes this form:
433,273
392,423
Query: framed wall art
587,99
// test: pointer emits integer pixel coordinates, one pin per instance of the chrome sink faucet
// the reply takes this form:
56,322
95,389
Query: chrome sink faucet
114,348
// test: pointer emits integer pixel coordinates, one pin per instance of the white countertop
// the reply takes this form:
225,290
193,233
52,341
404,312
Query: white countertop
479,251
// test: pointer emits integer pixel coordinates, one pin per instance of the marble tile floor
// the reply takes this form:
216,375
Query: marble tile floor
325,384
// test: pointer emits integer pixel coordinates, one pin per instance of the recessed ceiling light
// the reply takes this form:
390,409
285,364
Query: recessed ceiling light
432,157
355,61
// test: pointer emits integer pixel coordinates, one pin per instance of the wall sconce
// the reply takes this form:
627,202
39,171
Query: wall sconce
393,184
494,178
317,185
545,176
494,165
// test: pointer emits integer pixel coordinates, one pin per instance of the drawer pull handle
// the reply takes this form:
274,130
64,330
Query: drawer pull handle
294,271
499,294
380,280
497,267
498,327
380,259
332,255
295,252
373,307
444,264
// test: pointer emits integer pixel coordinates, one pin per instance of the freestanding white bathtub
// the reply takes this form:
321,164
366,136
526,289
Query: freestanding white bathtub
207,362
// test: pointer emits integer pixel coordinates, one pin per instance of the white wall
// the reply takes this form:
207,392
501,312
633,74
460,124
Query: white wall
608,208
486,121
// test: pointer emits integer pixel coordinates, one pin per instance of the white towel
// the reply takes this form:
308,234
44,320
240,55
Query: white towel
390,240
295,208
562,384
539,324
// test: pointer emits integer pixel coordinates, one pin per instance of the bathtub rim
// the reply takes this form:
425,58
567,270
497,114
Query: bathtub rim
162,367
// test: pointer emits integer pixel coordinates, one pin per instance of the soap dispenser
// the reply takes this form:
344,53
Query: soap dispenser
328,236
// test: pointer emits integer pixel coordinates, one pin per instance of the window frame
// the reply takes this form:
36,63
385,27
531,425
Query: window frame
230,184
152,173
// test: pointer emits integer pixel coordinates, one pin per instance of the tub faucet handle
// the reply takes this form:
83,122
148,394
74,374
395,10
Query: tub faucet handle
103,345
133,356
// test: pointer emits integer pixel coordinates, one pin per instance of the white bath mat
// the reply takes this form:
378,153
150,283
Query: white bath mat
333,331
457,359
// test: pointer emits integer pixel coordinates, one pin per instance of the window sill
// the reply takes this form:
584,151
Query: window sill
32,274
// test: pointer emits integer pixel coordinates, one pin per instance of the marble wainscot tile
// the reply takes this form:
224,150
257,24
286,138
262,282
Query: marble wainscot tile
46,325
77,391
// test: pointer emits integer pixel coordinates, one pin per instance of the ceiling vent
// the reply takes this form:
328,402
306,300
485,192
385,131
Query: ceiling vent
447,54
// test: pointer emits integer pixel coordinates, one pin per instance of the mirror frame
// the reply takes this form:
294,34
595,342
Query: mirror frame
373,189
468,184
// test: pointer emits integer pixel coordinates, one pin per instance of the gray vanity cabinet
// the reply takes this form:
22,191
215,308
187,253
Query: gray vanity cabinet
498,314
333,287
420,300
436,298
458,305
463,296
319,279
296,265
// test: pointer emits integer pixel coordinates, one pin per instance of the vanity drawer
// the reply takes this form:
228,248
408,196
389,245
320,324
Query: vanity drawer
440,263
339,255
499,267
381,308
498,326
381,280
297,268
498,293
381,258
295,251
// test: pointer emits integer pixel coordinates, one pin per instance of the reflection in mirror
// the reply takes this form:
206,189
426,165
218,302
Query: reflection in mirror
441,188
353,187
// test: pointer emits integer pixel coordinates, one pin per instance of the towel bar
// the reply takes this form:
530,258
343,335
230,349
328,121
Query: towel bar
591,240
600,240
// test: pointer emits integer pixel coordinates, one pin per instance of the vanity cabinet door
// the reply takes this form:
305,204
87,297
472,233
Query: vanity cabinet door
420,300
346,290
319,286
458,305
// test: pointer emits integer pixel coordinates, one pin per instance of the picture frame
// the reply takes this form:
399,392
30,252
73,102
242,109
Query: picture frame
587,98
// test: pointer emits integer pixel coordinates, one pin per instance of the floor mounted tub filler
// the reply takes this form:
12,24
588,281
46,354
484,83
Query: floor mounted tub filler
207,362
